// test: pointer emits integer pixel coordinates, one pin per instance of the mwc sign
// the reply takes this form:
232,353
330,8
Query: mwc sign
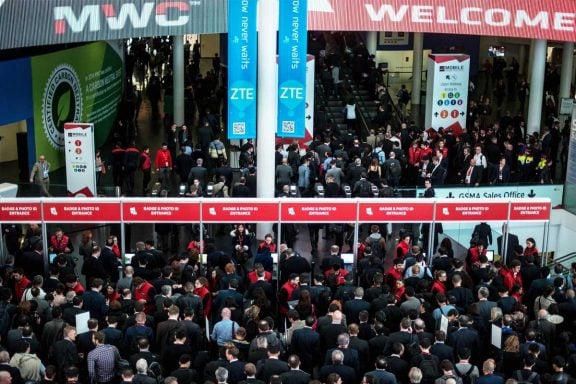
92,17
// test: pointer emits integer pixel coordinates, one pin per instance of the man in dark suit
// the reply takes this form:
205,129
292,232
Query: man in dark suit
351,357
109,259
232,292
352,308
361,346
250,371
85,341
235,367
465,337
440,349
306,344
472,174
380,375
347,373
271,366
329,333
438,174
94,301
397,365
69,314
65,352
294,263
93,267
295,375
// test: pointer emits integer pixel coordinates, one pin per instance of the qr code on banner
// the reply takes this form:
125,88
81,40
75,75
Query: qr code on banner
239,128
287,127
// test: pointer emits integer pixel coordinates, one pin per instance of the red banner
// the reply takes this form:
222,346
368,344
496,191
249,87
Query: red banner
230,211
530,211
20,212
161,210
82,211
471,211
396,211
318,211
532,19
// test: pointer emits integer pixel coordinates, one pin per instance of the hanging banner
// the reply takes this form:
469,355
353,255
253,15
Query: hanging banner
292,47
530,210
399,211
161,210
463,210
81,211
20,211
74,85
242,69
318,211
80,159
239,211
447,92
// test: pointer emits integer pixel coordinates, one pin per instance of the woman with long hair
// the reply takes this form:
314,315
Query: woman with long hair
374,173
305,307
202,291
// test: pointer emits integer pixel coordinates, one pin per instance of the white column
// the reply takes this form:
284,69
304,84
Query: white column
267,114
372,42
178,76
418,52
534,121
566,71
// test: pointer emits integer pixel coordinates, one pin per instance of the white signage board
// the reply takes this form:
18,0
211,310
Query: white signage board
80,159
554,192
447,91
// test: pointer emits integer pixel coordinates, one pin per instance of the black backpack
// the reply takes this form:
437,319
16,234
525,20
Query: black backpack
429,369
155,372
466,379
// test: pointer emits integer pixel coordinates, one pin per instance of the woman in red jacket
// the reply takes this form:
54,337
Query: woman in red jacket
531,247
439,285
201,289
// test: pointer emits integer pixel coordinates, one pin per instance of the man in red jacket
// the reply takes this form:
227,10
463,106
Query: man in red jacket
144,292
286,291
164,165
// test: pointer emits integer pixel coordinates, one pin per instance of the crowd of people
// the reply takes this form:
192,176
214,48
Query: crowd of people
233,318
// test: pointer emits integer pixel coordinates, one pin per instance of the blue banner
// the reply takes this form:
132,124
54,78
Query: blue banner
242,69
292,47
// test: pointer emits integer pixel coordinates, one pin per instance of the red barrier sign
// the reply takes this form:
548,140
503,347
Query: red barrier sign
161,211
318,212
471,211
82,211
393,211
239,211
530,211
20,212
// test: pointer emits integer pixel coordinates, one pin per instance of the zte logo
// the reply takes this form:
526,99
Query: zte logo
165,14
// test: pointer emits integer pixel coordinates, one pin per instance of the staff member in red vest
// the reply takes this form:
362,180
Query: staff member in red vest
60,243
164,165
146,168
144,292
286,291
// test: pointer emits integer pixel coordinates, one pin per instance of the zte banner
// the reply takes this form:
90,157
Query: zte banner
292,46
242,69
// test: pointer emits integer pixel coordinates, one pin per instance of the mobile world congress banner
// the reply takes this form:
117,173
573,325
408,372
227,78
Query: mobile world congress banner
242,69
80,159
74,85
447,92
292,47
26,23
